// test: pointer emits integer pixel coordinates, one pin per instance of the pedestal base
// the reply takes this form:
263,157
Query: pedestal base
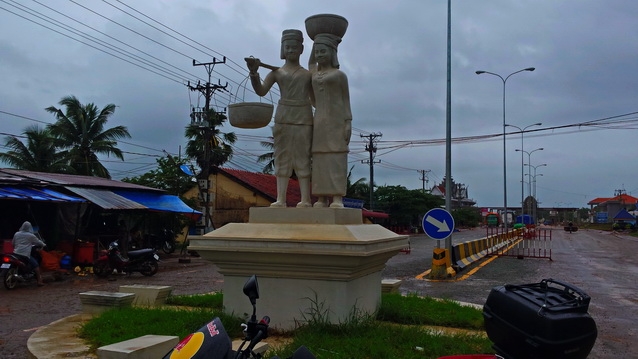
309,261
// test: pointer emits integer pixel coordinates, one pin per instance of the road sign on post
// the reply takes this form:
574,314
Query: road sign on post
438,223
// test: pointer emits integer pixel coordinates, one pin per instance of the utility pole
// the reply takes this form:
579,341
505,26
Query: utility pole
424,178
370,147
206,124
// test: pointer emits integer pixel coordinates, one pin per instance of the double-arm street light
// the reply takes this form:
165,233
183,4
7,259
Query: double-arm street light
529,162
533,178
523,166
504,146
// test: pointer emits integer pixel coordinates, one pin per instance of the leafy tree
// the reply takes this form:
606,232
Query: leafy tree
466,217
38,153
221,150
167,176
79,131
405,207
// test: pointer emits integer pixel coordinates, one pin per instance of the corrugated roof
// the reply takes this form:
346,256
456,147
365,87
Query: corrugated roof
74,180
35,194
623,198
105,199
265,184
598,200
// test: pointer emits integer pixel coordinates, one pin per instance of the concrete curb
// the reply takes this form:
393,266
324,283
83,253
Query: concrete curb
59,340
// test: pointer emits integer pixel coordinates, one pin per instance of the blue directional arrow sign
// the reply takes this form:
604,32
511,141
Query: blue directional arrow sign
438,223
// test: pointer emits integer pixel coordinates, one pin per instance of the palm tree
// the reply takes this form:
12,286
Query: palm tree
268,157
358,189
38,153
220,143
80,131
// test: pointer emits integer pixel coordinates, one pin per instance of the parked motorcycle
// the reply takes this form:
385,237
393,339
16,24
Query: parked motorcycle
144,261
212,341
17,269
165,241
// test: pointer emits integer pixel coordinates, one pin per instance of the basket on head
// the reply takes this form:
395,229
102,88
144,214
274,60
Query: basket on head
326,23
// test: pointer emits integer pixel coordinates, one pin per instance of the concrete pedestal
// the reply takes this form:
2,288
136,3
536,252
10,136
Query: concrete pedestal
148,295
308,261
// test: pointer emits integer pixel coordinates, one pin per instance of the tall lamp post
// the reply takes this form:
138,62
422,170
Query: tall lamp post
534,179
504,146
529,162
523,166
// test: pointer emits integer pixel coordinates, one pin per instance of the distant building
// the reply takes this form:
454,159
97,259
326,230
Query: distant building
605,209
231,193
459,195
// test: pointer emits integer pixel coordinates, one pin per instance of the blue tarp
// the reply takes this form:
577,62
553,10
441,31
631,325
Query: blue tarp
36,194
159,202
525,219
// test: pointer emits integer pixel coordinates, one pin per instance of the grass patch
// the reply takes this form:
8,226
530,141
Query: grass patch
375,339
208,300
397,332
412,309
121,324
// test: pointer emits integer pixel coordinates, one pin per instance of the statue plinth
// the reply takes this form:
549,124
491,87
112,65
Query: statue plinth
304,258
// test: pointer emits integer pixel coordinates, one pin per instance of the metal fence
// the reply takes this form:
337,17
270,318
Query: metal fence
528,242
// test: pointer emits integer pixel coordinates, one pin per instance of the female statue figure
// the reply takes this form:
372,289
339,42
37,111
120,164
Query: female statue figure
332,125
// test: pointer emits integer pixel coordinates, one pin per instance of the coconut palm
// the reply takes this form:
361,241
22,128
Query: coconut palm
80,131
37,153
358,189
220,143
268,157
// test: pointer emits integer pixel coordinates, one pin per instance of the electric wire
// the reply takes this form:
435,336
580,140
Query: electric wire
387,146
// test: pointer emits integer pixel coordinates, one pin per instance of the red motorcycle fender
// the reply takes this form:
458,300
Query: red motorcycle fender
102,258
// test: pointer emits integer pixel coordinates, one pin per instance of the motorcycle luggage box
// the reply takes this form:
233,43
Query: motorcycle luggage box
539,320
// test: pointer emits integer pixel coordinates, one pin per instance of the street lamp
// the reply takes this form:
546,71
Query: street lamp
504,154
523,166
529,161
534,177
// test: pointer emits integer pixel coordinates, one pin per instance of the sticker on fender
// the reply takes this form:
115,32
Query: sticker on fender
189,346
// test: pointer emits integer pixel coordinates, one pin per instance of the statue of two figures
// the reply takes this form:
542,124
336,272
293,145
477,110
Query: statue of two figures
313,144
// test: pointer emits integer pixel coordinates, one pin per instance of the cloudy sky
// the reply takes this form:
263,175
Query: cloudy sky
139,56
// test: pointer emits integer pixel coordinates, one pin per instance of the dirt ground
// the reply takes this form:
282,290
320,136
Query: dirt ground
26,308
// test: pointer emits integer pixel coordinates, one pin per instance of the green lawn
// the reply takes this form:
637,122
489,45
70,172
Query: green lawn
401,328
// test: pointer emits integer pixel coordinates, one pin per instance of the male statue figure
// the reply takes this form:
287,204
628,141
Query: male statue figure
292,131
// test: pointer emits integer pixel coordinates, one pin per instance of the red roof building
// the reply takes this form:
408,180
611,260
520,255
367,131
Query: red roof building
612,205
232,192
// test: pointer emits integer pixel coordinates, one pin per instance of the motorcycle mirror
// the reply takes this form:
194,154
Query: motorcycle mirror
251,289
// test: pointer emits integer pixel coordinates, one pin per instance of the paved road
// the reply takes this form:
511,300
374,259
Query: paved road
603,265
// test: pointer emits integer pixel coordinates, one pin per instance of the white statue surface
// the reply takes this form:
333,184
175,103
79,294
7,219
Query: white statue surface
292,131
314,147
332,122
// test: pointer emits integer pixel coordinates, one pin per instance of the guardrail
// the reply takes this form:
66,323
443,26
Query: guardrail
466,253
